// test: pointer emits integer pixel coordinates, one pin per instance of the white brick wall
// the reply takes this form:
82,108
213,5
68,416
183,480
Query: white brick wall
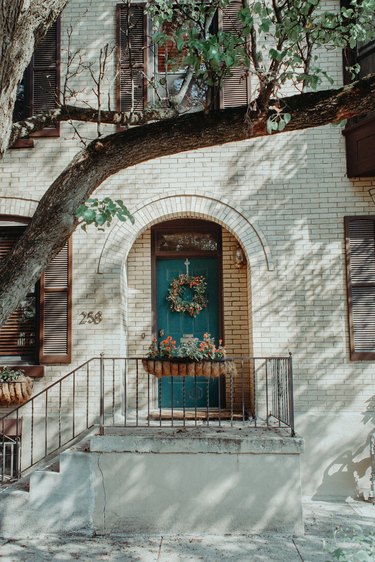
292,187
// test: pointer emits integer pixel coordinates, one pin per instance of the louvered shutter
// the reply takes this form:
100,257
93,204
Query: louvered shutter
236,87
132,52
45,76
18,334
55,309
360,255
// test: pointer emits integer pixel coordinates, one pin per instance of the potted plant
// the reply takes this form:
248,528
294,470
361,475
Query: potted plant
193,358
159,357
15,386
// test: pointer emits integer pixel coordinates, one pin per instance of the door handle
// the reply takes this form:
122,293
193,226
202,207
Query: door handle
161,333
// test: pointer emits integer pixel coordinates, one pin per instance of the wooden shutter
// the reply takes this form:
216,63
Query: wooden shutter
236,87
360,256
132,53
45,77
18,334
55,309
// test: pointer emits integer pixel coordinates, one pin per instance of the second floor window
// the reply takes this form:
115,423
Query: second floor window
148,75
39,89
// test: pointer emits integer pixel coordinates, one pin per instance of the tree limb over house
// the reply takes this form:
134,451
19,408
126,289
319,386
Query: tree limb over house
161,130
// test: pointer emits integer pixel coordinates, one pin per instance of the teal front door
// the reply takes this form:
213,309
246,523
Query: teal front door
187,392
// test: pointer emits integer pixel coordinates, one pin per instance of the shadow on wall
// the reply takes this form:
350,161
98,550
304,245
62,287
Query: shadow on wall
301,307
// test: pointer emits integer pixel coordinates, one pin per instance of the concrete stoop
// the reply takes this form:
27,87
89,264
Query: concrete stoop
170,481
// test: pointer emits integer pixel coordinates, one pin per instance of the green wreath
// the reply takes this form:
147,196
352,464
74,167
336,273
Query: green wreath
199,300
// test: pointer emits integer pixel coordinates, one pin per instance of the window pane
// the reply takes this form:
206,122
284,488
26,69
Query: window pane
21,110
186,241
18,334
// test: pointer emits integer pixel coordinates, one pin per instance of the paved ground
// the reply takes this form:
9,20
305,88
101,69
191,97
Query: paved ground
321,521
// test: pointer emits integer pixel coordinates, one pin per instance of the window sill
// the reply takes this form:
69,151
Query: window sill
23,143
33,371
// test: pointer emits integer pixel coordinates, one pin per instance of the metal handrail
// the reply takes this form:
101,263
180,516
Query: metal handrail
116,391
17,412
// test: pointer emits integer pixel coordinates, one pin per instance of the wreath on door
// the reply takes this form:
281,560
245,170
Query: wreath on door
176,294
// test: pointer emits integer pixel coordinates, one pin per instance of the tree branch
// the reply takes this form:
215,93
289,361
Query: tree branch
140,118
54,220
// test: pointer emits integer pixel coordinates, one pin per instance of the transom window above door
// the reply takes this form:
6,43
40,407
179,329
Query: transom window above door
187,237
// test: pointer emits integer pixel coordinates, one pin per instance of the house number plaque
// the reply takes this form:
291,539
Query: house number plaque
91,317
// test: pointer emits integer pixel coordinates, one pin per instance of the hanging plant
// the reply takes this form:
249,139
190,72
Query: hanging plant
199,298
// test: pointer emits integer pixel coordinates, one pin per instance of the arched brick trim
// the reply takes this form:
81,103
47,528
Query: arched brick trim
173,205
17,206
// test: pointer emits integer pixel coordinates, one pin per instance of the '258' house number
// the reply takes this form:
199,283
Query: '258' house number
91,317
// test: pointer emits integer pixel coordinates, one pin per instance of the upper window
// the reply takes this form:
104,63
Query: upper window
360,259
38,90
132,58
146,74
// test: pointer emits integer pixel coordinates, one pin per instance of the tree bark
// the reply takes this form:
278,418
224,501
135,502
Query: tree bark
54,220
22,24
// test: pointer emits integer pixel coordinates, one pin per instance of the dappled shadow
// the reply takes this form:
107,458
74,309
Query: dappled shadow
294,186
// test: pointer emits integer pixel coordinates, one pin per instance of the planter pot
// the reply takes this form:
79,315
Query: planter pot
199,369
207,368
16,392
174,368
191,369
183,367
166,368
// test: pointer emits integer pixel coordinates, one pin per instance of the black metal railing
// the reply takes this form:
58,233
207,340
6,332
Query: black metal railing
118,391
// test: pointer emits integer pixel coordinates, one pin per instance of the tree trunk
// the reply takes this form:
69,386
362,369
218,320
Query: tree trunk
22,24
54,220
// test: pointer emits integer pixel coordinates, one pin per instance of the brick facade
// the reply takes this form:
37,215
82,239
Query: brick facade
284,199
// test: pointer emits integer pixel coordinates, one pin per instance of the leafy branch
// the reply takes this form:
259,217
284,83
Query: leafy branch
101,213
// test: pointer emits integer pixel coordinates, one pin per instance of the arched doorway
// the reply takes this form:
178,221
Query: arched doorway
192,247
234,302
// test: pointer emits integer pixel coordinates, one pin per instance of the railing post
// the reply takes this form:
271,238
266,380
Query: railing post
290,388
101,407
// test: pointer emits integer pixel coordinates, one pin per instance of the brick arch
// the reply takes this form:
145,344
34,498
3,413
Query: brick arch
174,205
17,206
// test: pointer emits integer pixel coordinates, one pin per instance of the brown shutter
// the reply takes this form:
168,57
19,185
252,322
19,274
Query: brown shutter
236,87
45,77
360,259
132,54
55,309
18,334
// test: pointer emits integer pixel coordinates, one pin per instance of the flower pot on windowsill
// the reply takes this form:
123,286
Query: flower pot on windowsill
14,393
185,367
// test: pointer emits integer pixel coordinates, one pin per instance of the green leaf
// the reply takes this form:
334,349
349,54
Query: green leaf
269,126
101,219
287,118
276,55
89,215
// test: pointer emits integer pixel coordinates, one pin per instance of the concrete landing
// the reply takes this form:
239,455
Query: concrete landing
204,480
181,481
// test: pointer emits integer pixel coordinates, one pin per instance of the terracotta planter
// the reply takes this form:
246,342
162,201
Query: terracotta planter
215,369
174,368
166,368
191,369
149,365
182,368
207,368
16,392
198,369
158,368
